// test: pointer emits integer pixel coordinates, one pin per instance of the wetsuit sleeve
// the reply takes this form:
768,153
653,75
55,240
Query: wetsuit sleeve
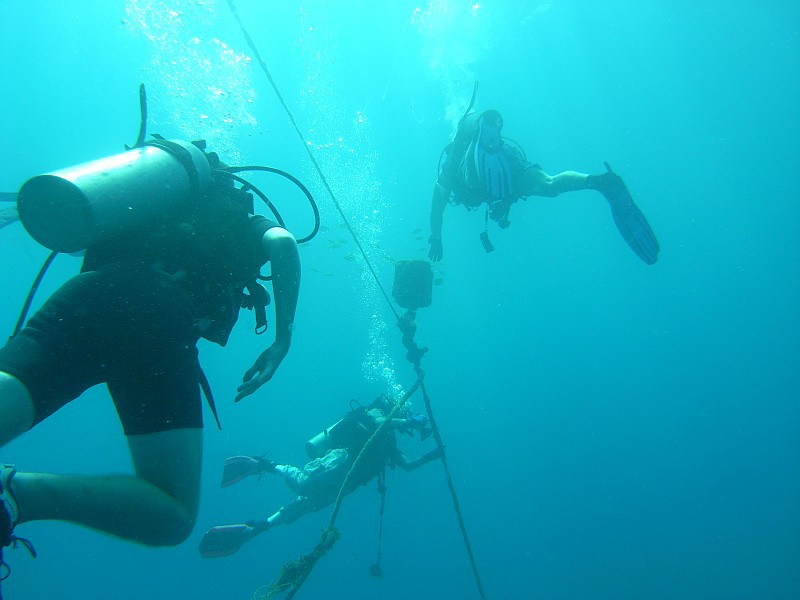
259,225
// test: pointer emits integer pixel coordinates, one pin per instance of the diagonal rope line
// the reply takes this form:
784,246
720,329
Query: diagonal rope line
451,486
330,534
311,156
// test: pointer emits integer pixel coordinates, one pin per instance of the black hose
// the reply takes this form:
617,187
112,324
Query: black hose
471,103
231,171
143,113
31,293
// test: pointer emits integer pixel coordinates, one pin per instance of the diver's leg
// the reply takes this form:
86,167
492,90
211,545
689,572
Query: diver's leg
157,506
293,477
568,181
279,517
224,540
535,182
300,506
16,408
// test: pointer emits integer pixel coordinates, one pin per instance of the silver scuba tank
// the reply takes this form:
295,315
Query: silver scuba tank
70,209
327,439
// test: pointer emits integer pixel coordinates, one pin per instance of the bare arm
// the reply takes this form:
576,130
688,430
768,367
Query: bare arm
409,465
281,249
393,423
406,424
438,204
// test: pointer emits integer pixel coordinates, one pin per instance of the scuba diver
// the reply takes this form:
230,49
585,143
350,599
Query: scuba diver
317,484
481,167
171,243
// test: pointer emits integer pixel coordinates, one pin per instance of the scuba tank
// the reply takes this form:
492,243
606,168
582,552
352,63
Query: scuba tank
71,209
352,430
327,439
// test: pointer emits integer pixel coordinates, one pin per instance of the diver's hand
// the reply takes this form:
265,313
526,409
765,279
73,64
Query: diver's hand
436,251
417,422
263,369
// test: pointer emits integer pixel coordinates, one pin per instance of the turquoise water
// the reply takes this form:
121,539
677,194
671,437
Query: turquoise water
614,430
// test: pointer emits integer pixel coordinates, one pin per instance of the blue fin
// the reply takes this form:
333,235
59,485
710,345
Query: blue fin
495,174
630,221
491,167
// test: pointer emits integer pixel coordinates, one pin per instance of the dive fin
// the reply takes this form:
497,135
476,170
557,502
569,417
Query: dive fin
489,169
495,174
225,540
630,221
237,468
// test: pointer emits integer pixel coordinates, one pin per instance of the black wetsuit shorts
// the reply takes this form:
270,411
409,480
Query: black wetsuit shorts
128,326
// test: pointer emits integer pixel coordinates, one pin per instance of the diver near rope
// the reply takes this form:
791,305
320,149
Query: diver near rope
171,244
318,482
482,167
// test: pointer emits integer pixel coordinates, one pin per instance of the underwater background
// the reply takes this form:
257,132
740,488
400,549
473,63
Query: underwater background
614,430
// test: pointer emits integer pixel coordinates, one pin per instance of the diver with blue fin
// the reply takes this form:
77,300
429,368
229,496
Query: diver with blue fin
482,167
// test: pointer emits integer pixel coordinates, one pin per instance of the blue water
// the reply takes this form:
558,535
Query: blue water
614,430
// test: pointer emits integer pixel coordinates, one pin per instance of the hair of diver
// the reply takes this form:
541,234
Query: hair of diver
471,103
